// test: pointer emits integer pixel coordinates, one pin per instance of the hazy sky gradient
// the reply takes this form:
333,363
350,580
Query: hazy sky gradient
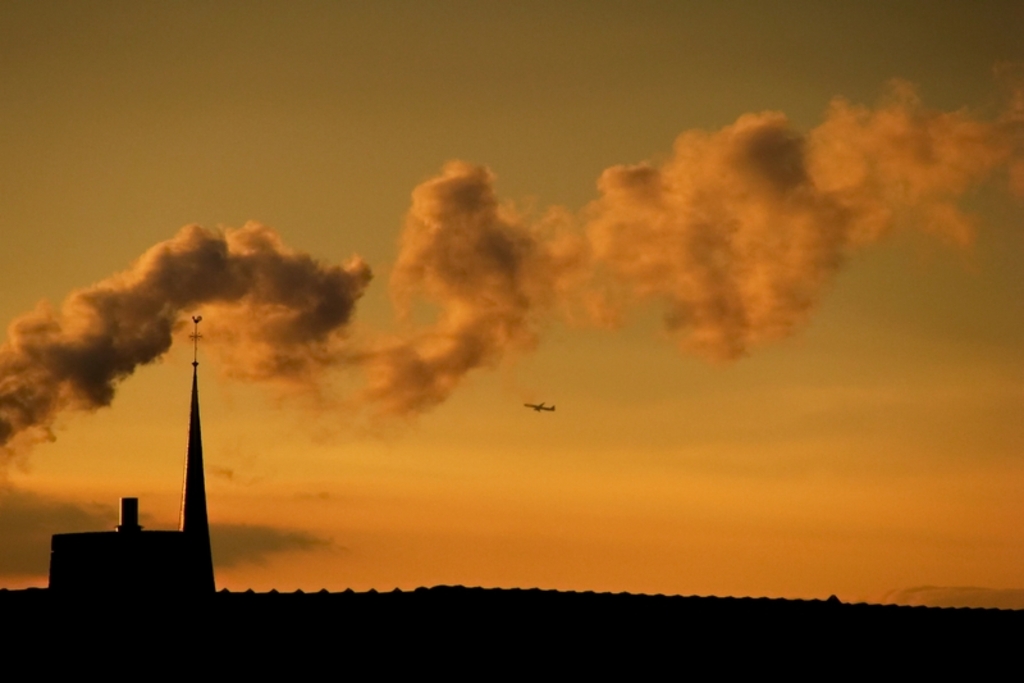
876,450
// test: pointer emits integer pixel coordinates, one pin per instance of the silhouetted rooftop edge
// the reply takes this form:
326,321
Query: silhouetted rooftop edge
456,592
453,627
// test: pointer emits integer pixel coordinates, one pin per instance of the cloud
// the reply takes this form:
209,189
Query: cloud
279,311
737,236
956,596
27,520
235,544
740,231
491,274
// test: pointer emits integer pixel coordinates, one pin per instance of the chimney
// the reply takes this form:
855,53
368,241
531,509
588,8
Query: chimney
129,515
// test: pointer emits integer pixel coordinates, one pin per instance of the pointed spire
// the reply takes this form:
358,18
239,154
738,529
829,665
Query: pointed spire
194,520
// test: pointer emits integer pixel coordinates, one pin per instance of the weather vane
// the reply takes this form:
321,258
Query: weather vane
195,337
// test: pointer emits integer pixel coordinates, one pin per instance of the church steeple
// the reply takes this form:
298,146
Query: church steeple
135,561
194,521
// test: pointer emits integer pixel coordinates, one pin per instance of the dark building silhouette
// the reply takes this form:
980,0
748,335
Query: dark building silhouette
133,560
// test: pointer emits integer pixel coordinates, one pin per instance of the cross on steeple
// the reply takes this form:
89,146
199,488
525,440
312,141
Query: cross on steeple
195,337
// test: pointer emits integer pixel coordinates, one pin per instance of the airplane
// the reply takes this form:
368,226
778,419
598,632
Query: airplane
538,406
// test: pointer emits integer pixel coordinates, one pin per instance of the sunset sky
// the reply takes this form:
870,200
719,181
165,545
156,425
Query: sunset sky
832,405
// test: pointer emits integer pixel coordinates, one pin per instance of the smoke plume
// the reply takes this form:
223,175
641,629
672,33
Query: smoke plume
736,235
285,310
739,232
490,274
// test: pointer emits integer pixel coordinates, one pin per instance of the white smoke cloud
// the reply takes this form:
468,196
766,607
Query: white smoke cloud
737,235
491,274
285,310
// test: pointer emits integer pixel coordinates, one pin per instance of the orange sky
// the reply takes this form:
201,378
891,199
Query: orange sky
871,449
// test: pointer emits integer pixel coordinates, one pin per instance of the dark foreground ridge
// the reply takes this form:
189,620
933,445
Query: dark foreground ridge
501,622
